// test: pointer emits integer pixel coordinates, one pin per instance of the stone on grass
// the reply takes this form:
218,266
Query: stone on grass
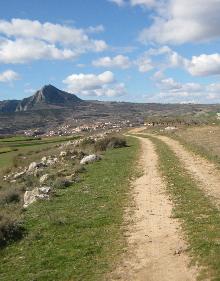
32,166
43,178
41,193
63,153
89,159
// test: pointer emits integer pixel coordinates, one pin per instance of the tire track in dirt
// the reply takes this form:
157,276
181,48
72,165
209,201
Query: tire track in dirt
155,246
205,172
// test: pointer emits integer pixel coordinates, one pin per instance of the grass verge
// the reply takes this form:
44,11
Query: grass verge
198,149
78,234
200,218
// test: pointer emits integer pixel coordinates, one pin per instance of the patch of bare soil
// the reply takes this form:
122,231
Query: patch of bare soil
156,249
205,172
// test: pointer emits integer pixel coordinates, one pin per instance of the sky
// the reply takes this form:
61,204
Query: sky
165,51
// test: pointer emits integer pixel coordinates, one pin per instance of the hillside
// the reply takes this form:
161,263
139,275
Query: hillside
50,107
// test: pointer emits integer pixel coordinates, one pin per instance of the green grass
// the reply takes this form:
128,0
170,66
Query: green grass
77,235
200,218
8,150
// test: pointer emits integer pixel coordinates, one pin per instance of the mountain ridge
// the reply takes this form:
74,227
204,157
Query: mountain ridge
48,97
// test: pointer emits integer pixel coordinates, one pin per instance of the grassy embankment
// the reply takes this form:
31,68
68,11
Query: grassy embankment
199,217
77,235
11,147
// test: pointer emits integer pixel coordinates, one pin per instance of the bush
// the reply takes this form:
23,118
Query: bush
110,142
10,195
62,183
87,141
10,229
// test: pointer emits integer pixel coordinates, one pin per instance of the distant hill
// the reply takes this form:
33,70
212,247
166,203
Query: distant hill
48,97
50,107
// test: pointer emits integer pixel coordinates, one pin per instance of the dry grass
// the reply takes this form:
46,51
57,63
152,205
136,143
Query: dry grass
204,140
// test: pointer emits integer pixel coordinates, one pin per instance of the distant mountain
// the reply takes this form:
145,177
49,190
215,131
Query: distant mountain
48,97
8,106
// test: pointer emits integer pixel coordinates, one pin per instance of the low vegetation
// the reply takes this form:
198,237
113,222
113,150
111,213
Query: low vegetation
76,235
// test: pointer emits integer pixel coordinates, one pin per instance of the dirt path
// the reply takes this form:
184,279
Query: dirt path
155,247
204,171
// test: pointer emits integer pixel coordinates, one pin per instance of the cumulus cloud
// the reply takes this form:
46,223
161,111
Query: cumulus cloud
204,65
119,61
172,91
23,40
24,50
103,84
182,21
9,76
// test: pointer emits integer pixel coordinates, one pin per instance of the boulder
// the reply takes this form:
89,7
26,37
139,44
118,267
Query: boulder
18,175
30,197
32,166
44,159
43,178
52,161
63,154
41,193
89,159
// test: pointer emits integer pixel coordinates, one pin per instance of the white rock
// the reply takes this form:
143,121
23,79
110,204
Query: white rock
89,159
35,194
44,159
30,197
63,153
32,166
44,189
18,175
43,178
170,128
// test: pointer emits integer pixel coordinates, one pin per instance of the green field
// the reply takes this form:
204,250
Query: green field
11,147
77,235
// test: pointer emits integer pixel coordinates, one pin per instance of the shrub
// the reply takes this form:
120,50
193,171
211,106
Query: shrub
10,195
110,142
62,183
11,229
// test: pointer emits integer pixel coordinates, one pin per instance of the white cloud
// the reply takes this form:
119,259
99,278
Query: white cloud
182,21
103,84
23,40
204,65
119,61
9,76
172,91
120,3
95,29
144,3
24,50
144,63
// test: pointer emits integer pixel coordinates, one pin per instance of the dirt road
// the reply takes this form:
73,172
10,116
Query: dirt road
206,174
155,244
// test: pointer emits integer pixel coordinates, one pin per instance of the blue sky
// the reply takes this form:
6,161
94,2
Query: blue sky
126,50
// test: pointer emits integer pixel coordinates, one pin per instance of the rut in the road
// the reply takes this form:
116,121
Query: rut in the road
206,174
155,246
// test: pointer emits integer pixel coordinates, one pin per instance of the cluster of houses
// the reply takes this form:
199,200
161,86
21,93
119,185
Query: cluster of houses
83,127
